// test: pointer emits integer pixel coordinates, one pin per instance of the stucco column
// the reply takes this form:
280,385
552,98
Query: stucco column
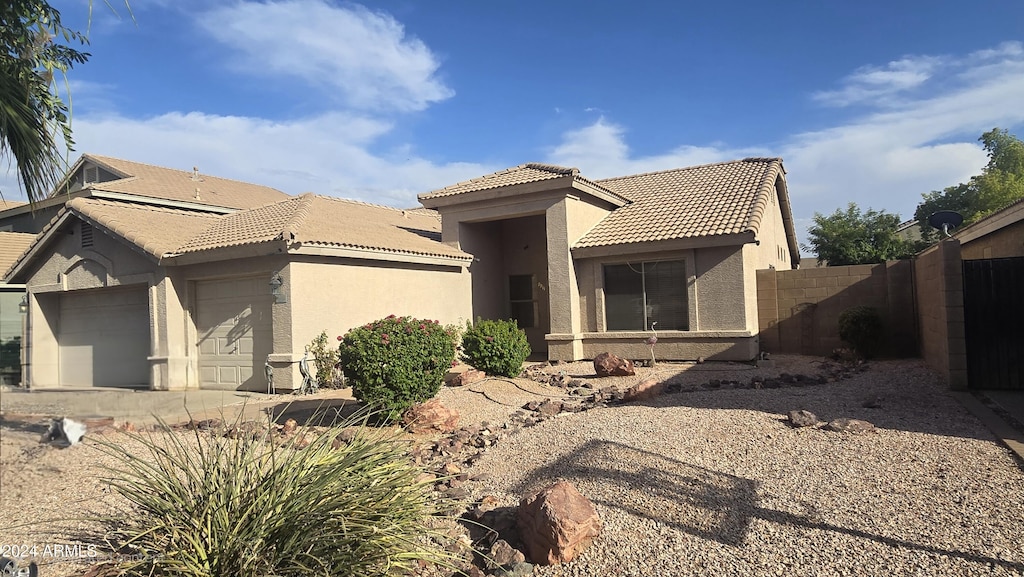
168,360
563,293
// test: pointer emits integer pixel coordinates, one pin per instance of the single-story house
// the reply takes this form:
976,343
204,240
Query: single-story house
588,266
151,277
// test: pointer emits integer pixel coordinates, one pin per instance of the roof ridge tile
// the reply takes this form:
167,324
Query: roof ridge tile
686,168
290,230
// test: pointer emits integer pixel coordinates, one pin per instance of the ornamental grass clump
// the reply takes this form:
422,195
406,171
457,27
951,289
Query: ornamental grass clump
396,362
495,347
203,505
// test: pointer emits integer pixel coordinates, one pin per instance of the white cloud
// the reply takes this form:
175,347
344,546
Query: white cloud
600,151
884,159
875,85
327,154
364,57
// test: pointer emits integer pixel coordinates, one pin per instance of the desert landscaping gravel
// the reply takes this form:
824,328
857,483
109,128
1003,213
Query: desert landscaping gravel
710,481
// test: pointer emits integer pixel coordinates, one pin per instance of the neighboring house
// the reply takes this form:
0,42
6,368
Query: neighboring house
909,230
999,235
588,266
174,280
12,305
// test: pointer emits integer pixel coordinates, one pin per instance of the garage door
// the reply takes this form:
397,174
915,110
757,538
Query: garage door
233,321
103,338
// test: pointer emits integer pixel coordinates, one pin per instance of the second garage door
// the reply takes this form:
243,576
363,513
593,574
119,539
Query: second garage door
233,322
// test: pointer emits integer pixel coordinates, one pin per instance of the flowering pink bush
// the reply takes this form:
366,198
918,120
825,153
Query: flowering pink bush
396,362
495,347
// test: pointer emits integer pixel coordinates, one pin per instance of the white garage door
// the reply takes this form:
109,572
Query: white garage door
233,321
103,338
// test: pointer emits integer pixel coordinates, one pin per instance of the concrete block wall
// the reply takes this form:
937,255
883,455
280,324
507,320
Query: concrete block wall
938,278
798,310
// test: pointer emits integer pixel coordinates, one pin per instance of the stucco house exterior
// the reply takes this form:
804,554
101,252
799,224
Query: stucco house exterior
152,277
588,266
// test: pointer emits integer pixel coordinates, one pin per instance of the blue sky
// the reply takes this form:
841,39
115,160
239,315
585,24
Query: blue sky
869,102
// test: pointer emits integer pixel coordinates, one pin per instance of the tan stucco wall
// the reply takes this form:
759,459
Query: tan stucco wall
721,289
773,250
337,296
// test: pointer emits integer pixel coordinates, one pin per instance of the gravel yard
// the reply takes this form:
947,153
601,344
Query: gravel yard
701,482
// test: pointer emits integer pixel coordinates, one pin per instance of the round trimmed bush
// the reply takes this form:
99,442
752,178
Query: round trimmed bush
396,362
861,326
495,347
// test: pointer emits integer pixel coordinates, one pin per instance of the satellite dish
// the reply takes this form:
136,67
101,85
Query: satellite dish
945,220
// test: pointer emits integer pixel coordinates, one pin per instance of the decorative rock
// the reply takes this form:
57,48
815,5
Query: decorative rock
430,416
467,377
609,365
854,426
289,427
802,418
644,390
549,408
556,523
504,555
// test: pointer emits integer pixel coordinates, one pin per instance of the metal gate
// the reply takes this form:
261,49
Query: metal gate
994,322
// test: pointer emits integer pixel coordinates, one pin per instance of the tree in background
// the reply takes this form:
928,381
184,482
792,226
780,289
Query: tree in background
1000,183
852,237
33,116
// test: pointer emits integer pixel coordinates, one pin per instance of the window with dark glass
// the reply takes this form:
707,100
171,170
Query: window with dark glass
522,305
639,294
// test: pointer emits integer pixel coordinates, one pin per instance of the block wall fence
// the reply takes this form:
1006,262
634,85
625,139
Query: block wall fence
920,302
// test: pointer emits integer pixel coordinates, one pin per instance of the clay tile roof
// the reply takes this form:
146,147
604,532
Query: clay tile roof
167,183
157,230
326,221
522,174
12,246
711,199
257,225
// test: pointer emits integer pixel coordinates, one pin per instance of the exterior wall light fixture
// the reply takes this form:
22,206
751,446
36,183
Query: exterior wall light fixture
275,288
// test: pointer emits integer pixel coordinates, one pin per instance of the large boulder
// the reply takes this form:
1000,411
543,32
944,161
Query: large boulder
467,377
429,417
556,523
609,365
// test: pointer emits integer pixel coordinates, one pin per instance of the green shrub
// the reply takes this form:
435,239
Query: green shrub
397,362
495,347
325,357
861,326
212,506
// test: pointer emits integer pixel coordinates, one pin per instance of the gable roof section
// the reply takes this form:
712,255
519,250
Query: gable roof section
522,174
12,246
178,185
712,199
311,220
157,230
